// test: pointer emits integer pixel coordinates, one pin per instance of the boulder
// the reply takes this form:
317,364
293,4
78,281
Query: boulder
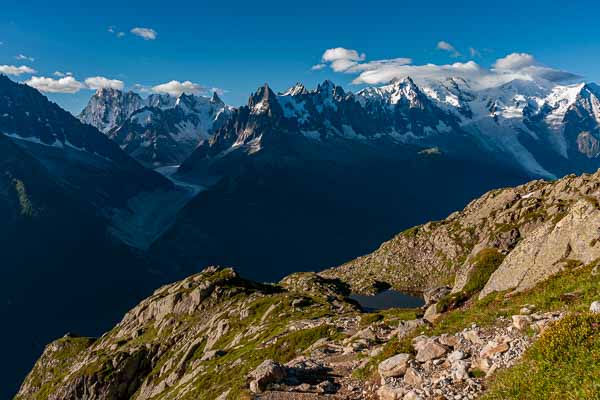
432,314
481,364
521,322
449,340
595,307
405,328
494,347
394,366
413,378
456,355
387,392
430,351
459,370
412,395
266,373
473,337
419,341
435,294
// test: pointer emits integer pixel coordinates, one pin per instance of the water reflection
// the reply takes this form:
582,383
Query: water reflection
387,299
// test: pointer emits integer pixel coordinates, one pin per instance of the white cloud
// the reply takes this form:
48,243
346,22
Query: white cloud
67,84
13,70
98,82
176,88
142,88
113,29
513,66
514,62
445,46
145,33
61,74
23,57
340,53
474,52
341,59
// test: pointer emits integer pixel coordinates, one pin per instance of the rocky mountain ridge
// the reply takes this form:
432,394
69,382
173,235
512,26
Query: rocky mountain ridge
525,234
216,335
546,130
158,130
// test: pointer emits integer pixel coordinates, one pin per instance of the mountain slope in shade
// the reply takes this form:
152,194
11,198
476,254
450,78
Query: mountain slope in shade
501,280
77,154
58,263
159,130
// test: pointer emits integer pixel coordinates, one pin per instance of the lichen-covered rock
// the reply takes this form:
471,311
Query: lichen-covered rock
549,249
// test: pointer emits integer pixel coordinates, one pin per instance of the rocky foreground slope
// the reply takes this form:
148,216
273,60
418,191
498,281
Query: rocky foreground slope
511,285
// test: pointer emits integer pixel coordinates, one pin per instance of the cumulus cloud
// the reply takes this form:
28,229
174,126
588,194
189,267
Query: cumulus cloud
67,84
514,62
145,33
176,88
340,59
318,67
513,66
445,46
23,57
99,82
14,70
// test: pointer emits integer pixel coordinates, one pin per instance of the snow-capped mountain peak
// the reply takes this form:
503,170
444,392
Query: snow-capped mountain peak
161,129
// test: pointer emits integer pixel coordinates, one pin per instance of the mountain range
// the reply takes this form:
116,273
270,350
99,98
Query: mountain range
538,127
143,190
159,130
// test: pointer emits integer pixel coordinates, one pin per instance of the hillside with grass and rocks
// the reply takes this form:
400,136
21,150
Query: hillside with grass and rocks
512,291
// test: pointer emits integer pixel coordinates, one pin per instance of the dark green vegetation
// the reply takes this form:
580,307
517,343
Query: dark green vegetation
483,265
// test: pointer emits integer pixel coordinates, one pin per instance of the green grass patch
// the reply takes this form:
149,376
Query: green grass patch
563,364
484,264
570,290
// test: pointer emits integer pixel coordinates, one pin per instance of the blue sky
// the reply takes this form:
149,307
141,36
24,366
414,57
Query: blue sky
238,45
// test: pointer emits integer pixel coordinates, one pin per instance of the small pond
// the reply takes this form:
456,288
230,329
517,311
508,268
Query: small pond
387,299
